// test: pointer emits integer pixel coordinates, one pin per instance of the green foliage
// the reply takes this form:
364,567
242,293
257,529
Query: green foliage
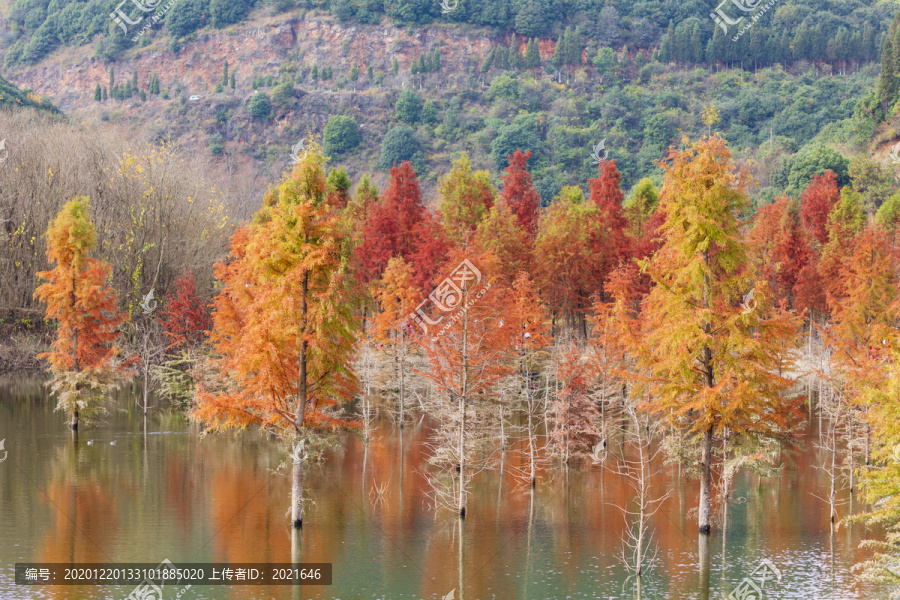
400,145
409,106
341,134
815,160
523,134
503,87
260,106
283,93
185,17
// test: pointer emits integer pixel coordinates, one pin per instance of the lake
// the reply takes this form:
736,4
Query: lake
117,494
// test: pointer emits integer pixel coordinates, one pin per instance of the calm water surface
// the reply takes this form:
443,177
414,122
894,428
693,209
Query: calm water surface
171,494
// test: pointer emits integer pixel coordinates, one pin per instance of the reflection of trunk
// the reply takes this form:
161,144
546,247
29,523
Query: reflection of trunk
402,373
462,560
297,486
705,495
462,410
528,544
703,542
296,554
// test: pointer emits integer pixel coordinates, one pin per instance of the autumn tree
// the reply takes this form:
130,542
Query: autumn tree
397,297
845,222
186,320
575,416
519,193
526,317
816,203
465,197
283,325
501,234
782,253
564,256
391,227
185,315
714,364
464,343
605,192
84,360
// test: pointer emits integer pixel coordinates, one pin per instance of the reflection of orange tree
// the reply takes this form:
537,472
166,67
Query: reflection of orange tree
283,324
82,511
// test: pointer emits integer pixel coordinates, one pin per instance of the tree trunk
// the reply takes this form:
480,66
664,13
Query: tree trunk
462,410
299,418
402,373
705,494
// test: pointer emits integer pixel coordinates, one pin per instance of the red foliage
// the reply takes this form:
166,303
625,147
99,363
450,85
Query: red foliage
816,203
185,317
391,227
519,193
430,257
613,244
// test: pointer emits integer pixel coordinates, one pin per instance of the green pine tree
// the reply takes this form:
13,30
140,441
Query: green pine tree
225,75
395,67
232,80
887,81
112,78
488,61
501,59
354,72
436,60
315,72
414,66
105,94
98,93
422,68
514,56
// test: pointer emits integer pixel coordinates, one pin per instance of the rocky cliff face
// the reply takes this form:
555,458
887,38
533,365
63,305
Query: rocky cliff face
260,47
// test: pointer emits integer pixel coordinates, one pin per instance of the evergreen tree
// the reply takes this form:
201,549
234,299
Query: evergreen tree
501,58
422,67
354,72
515,58
414,67
802,43
868,44
785,54
112,78
232,80
667,46
575,47
887,81
559,52
395,67
696,48
314,73
436,60
225,75
134,80
488,61
105,94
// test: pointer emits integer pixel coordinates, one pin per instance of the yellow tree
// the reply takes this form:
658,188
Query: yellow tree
397,296
714,363
83,360
283,327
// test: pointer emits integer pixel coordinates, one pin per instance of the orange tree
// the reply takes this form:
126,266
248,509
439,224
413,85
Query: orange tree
83,360
714,365
397,297
283,324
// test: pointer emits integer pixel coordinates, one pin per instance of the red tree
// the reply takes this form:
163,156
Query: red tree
390,229
185,316
519,193
816,203
611,244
